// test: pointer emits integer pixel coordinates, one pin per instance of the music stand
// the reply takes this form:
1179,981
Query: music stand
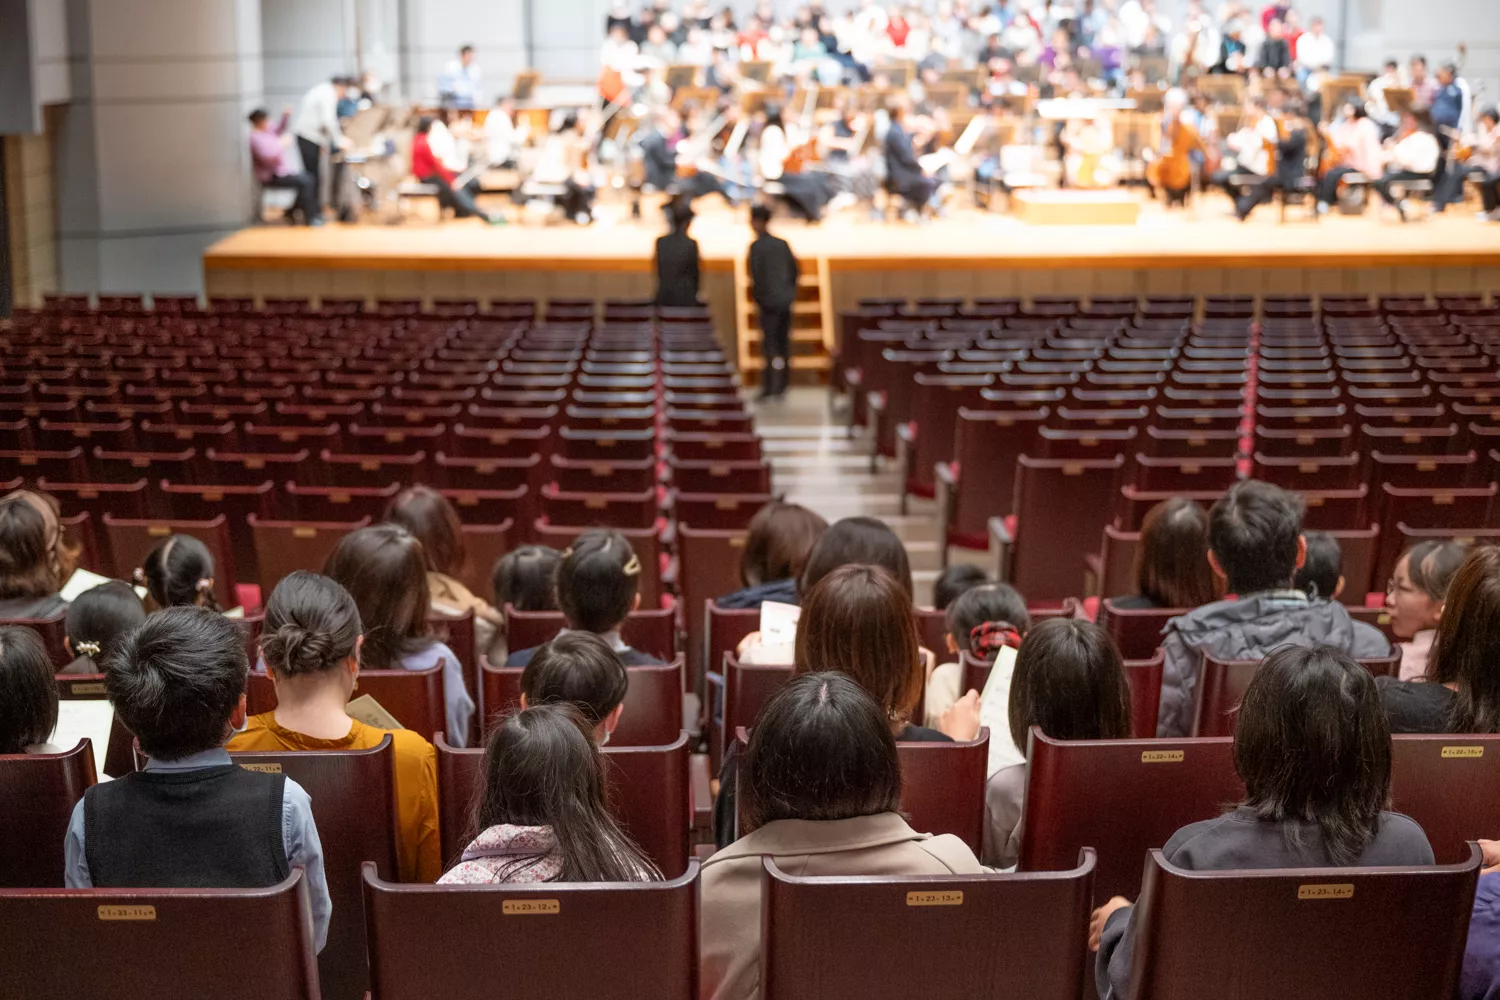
1149,99
1399,99
758,70
1223,88
680,75
526,83
899,74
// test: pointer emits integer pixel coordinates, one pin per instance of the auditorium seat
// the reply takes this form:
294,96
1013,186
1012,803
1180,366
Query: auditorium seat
653,702
744,690
599,509
1121,797
650,630
1451,509
119,499
1287,932
161,942
131,540
353,802
721,477
980,483
702,447
1137,632
1017,935
1058,517
605,446
1222,683
645,542
718,511
485,544
1304,442
282,547
648,788
1447,783
942,786
603,477
645,934
39,792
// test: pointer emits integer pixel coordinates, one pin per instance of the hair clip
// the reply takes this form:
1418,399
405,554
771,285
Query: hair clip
567,553
138,577
633,567
87,648
993,636
205,584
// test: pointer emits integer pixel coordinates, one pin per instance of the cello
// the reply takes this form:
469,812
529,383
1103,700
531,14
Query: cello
1173,173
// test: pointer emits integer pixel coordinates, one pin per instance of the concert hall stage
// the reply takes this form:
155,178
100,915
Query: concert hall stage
970,253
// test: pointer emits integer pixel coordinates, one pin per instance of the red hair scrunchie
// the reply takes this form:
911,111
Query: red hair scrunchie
991,637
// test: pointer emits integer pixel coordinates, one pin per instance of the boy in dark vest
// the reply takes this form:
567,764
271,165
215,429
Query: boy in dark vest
193,819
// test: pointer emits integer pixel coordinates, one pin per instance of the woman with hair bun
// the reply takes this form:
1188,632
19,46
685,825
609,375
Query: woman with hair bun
310,642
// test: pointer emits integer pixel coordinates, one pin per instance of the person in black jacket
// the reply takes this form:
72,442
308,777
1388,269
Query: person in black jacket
773,276
903,172
677,258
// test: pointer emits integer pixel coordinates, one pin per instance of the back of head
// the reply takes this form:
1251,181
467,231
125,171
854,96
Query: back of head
1320,575
1253,532
954,582
863,540
179,571
100,617
431,519
998,605
1312,743
27,566
28,691
777,545
1172,562
311,625
177,679
858,621
384,570
580,669
1466,650
1433,565
526,578
821,750
598,581
542,769
1069,680
760,215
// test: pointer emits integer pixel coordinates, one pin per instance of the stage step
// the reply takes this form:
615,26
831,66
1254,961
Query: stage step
812,330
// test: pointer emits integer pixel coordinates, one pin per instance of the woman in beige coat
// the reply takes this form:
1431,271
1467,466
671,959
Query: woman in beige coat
821,789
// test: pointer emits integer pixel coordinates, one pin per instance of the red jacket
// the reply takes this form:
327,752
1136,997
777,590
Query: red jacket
424,164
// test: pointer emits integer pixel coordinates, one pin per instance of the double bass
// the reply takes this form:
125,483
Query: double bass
1173,173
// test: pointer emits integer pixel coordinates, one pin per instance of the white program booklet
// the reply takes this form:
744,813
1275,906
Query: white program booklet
84,719
778,623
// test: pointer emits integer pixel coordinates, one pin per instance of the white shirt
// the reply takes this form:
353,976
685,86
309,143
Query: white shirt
499,136
774,148
1359,139
1314,52
445,148
318,117
1249,145
1417,153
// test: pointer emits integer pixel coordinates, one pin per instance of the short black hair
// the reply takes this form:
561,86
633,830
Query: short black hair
465,49
100,617
526,578
580,669
598,581
1320,574
177,679
822,749
1252,532
1069,681
258,115
994,602
1312,744
760,214
28,691
857,540
955,581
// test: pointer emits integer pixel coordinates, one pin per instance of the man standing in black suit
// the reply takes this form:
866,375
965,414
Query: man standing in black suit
677,258
773,274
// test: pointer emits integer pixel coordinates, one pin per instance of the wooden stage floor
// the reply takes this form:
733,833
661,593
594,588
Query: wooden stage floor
968,253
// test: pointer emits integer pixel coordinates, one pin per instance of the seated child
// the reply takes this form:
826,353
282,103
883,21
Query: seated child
581,670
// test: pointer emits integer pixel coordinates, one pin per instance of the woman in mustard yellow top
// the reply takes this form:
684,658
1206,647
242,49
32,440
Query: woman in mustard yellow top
310,642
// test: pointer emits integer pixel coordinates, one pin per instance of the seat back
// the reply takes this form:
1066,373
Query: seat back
747,688
653,702
134,942
52,632
414,697
650,630
1121,797
1450,786
1136,631
282,547
1286,932
354,806
986,446
37,794
708,568
942,787
645,542
648,795
968,929
534,942
130,541
1059,517
1222,684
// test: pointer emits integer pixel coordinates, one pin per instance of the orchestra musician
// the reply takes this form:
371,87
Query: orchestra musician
1088,159
1484,159
1172,171
903,173
657,156
1413,155
564,160
429,167
783,160
1352,145
1253,147
698,161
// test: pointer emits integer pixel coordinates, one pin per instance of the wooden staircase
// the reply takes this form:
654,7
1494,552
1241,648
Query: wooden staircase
812,321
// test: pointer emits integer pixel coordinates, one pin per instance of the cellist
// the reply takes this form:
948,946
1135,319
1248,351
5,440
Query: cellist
1353,140
1172,171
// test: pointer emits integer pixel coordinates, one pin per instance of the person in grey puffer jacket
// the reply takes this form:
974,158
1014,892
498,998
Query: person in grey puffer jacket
1255,543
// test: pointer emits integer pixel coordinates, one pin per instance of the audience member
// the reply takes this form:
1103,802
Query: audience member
780,538
955,581
988,623
526,578
1460,692
179,571
1414,597
822,796
1321,575
310,641
28,694
1314,751
1069,682
1480,979
192,818
385,571
1171,563
431,519
97,621
598,586
579,669
1256,545
677,260
542,814
34,561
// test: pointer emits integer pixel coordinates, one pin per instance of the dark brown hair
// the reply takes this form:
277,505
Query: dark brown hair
852,540
821,750
1312,744
859,621
541,768
597,581
778,542
993,603
431,518
1432,566
526,578
179,571
311,625
1171,563
28,691
33,560
1466,651
1070,682
385,572
100,617
580,669
1253,531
